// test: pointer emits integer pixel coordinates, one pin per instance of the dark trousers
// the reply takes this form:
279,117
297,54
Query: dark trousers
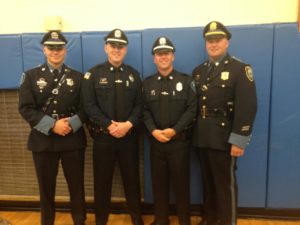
106,151
46,166
219,185
170,162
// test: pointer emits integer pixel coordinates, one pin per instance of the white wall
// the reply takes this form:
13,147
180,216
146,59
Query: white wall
23,16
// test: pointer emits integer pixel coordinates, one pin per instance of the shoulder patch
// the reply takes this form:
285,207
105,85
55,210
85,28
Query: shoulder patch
249,73
193,86
22,78
87,75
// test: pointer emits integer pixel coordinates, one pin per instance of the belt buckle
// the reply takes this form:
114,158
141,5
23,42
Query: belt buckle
55,116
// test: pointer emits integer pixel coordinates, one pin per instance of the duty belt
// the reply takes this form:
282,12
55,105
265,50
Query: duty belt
213,112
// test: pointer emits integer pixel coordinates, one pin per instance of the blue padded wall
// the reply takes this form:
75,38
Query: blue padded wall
189,52
284,160
93,49
33,51
268,174
252,167
11,65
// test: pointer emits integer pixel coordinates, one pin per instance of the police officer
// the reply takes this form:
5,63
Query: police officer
170,107
113,101
227,108
49,102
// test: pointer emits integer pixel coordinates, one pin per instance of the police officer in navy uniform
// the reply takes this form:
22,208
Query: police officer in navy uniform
227,107
112,98
49,100
169,108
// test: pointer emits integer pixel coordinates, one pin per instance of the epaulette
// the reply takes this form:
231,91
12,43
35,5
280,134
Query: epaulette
237,59
131,68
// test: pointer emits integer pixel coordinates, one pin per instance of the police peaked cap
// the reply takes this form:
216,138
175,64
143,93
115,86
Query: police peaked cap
116,36
162,44
215,30
54,37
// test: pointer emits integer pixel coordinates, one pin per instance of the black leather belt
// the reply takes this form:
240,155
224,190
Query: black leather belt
213,112
57,116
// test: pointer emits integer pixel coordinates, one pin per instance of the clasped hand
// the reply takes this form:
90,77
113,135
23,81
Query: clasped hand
119,129
62,127
164,135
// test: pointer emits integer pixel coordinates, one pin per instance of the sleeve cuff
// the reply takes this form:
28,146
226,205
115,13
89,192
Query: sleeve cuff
239,140
75,123
45,125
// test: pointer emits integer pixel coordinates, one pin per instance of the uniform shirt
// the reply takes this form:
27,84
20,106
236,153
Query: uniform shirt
36,87
182,102
99,94
226,87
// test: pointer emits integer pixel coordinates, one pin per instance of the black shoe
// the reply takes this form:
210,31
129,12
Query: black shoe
137,221
209,222
158,223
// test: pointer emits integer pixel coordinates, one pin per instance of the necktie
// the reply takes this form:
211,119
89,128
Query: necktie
165,104
55,72
119,96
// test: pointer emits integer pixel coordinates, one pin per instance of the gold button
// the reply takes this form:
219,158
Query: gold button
204,97
223,124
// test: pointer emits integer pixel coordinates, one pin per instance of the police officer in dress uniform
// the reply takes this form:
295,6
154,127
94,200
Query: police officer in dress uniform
113,101
169,108
50,102
227,108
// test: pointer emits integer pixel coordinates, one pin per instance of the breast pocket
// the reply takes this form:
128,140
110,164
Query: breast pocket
179,100
224,89
130,93
69,87
103,92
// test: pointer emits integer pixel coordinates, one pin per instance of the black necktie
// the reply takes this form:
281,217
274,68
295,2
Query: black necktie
55,72
119,96
165,104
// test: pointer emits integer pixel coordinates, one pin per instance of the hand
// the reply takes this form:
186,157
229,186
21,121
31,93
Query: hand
160,136
120,129
62,127
236,151
169,132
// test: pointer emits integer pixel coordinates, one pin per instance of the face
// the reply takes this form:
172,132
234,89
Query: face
164,62
216,48
115,54
55,57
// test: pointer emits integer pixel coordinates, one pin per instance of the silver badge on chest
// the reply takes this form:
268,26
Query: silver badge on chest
179,86
41,83
70,82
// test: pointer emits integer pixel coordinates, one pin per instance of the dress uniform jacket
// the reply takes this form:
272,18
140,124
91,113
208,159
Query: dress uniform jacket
182,98
35,90
99,94
227,104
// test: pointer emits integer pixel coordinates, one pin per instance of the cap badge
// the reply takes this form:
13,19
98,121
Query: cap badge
179,86
118,33
131,78
225,75
162,41
249,73
213,26
54,35
70,82
152,92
